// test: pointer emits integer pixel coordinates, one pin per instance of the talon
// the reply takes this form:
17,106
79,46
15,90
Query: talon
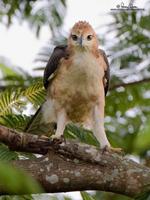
112,149
55,136
57,139
63,139
44,137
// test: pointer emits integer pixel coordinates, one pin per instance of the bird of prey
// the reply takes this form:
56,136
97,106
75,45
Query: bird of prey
76,79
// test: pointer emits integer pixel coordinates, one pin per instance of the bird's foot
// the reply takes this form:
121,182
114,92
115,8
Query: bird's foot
112,150
57,139
44,137
56,136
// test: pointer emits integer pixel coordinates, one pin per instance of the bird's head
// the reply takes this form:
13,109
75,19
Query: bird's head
83,37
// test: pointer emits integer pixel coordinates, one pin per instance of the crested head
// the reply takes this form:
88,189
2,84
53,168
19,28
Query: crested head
82,37
82,26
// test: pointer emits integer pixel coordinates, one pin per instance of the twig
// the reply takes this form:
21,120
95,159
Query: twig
129,84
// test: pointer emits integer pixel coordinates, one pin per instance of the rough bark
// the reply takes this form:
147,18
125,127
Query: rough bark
71,166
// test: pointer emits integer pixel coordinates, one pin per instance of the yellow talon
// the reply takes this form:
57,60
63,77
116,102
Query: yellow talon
112,150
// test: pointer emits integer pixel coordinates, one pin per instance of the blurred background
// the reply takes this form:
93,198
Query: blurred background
29,30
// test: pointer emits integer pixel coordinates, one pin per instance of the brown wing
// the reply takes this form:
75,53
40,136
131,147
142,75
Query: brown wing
35,125
53,63
107,72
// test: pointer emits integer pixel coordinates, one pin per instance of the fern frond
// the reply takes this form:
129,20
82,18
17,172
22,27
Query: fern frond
17,122
14,100
35,94
85,136
86,196
7,71
6,154
10,100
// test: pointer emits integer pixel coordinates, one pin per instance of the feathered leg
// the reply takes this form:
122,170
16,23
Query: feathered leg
98,126
61,123
98,121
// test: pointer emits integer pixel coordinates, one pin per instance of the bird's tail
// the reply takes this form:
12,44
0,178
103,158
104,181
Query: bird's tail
38,127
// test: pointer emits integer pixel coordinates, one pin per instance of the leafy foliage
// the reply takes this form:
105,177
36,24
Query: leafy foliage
15,77
21,184
127,106
86,196
14,121
14,102
37,13
35,94
145,196
10,100
80,133
17,197
6,154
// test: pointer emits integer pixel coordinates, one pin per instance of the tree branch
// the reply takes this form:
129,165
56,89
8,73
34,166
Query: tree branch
71,166
128,84
24,142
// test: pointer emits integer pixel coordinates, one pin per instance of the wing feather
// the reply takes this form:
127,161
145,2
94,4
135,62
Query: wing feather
107,72
53,63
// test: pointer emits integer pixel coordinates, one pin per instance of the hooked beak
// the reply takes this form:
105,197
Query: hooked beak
80,41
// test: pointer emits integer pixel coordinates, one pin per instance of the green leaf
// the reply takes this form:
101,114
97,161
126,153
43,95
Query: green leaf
144,22
35,93
7,71
82,134
142,141
67,198
18,122
144,196
6,154
42,15
16,181
86,196
10,100
17,197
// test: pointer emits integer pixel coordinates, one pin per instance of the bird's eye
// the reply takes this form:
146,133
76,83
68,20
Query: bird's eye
74,37
89,37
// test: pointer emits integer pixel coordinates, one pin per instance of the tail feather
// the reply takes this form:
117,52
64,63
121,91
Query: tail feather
38,127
